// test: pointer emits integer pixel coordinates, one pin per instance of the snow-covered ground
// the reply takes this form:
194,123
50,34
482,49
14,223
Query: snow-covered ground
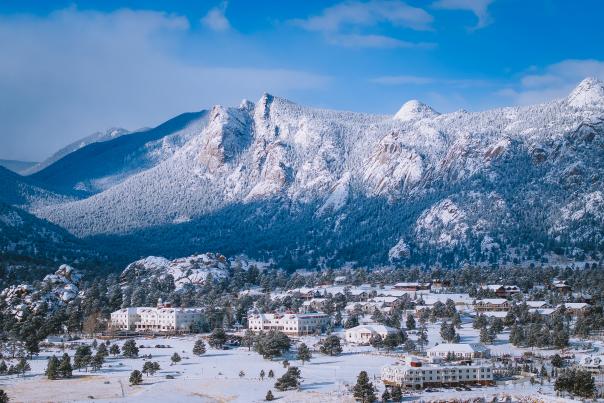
214,377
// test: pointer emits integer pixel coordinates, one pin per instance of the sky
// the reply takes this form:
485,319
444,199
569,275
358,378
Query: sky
71,68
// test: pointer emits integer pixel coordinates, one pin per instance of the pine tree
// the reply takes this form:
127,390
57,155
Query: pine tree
175,358
271,374
3,397
129,349
102,349
52,368
331,345
269,396
364,390
3,367
396,394
114,349
304,353
386,395
262,374
217,338
410,322
136,377
97,361
199,348
65,369
147,368
289,380
22,366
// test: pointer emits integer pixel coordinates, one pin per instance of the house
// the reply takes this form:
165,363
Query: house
593,363
293,324
492,304
576,308
561,286
438,285
385,301
459,350
340,280
415,286
314,305
502,291
537,304
363,333
415,374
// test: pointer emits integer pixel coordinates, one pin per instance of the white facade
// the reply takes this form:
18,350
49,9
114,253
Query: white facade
363,333
416,375
294,324
459,350
155,319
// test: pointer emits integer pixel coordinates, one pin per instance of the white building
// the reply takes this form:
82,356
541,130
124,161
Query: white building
417,375
363,333
459,350
160,319
294,324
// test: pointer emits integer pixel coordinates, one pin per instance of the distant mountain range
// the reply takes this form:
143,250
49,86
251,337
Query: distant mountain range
19,167
310,187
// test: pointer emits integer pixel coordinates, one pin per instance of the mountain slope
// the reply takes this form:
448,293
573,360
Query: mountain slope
100,165
499,184
17,166
97,137
25,192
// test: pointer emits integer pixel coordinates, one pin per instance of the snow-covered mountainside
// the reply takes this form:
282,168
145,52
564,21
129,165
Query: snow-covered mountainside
100,165
193,270
308,186
22,234
25,192
97,137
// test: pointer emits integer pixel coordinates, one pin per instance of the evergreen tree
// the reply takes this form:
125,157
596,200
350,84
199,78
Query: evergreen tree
269,396
3,368
557,361
52,368
136,377
289,380
304,353
97,361
410,322
175,358
331,345
364,390
217,338
391,341
199,348
262,374
271,374
130,349
22,366
114,350
102,350
397,394
386,395
65,369
4,397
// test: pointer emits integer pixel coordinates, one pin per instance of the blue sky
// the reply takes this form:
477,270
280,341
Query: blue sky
72,68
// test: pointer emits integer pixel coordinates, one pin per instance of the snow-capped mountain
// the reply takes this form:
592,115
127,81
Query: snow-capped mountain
274,178
27,193
97,137
99,165
19,167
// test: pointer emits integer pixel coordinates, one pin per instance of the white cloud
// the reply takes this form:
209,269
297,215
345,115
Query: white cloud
216,19
554,81
340,23
73,72
375,41
478,7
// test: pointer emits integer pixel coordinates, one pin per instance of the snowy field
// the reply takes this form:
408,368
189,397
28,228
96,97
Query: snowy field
214,376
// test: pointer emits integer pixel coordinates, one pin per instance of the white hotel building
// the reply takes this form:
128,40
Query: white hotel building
293,324
417,375
160,319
